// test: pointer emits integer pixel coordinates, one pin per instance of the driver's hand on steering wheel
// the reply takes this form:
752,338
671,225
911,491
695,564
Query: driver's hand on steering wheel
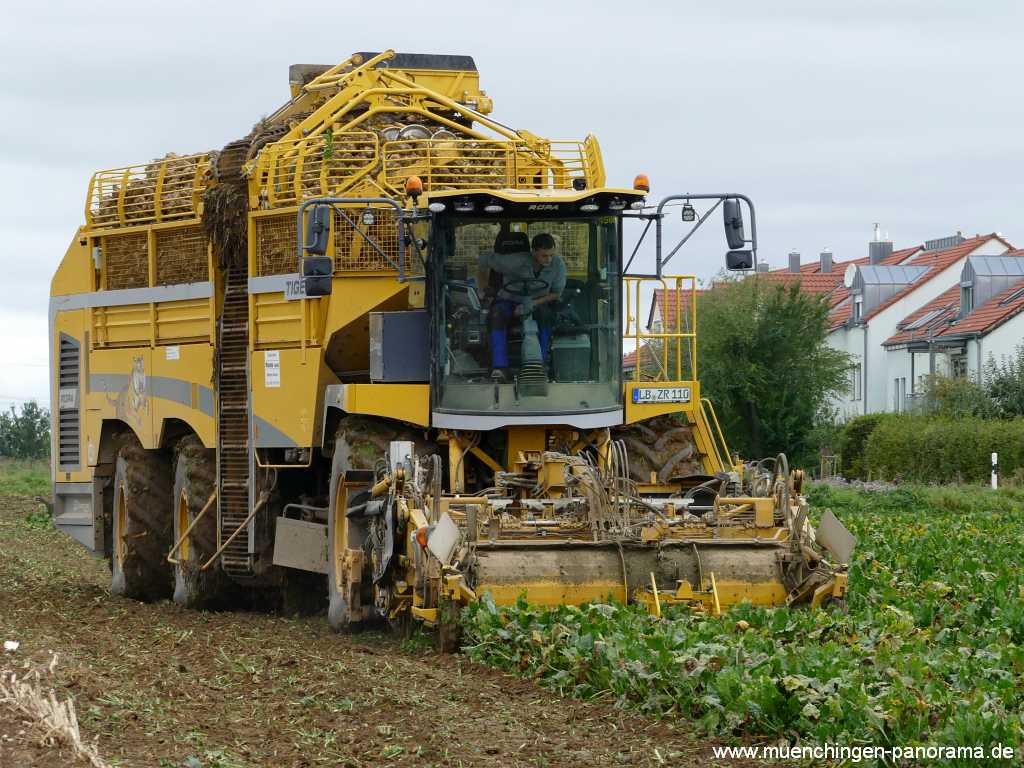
524,307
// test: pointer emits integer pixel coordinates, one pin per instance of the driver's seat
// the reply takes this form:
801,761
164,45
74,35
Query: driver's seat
512,242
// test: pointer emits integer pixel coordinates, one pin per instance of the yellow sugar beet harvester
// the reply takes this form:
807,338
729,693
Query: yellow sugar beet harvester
328,361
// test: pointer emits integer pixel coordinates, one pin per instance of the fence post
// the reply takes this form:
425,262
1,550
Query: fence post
995,471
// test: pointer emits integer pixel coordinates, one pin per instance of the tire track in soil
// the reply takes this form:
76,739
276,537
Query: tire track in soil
156,684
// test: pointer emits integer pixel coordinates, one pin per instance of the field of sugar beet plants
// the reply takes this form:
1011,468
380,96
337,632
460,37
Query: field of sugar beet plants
931,651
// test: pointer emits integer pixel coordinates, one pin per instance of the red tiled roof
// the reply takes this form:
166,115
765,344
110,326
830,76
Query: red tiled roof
811,282
992,313
936,261
667,301
840,313
947,305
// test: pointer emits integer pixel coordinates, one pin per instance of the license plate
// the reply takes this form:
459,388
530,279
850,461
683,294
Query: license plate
661,395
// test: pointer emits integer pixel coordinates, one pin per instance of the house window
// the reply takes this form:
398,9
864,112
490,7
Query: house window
855,381
966,300
958,364
858,308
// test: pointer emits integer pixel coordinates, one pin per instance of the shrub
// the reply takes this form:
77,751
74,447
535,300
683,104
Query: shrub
1004,384
928,449
852,442
955,397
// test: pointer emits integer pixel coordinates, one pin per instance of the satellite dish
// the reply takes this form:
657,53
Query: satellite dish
849,274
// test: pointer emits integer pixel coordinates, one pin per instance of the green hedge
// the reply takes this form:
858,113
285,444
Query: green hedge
927,449
853,441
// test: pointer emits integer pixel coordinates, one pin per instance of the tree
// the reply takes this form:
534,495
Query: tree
25,435
764,362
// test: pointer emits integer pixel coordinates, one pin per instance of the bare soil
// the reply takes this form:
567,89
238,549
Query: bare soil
156,685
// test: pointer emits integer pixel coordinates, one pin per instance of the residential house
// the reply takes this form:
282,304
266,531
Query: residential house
880,296
959,330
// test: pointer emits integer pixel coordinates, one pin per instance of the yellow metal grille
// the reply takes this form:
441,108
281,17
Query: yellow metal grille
351,251
125,261
163,190
181,256
357,162
475,164
275,245
319,166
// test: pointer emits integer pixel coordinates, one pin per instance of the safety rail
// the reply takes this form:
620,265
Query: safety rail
475,164
168,189
677,298
717,435
333,164
326,164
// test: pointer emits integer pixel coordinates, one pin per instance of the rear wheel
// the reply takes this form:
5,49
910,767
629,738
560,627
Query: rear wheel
141,525
194,483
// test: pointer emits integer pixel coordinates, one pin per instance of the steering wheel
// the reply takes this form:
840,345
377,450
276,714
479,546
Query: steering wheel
525,286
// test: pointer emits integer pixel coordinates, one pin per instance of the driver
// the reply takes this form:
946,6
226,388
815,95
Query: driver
541,278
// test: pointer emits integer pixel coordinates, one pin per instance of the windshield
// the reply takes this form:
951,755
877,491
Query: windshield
529,318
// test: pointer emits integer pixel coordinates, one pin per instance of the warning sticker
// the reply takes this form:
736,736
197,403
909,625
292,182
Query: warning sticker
271,369
173,353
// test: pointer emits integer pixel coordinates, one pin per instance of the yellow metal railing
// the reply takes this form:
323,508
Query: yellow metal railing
717,435
676,296
290,171
169,189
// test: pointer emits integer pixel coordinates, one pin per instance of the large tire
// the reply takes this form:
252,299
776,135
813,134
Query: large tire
194,482
141,525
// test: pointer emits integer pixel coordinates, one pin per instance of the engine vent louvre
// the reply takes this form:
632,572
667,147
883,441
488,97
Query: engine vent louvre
68,410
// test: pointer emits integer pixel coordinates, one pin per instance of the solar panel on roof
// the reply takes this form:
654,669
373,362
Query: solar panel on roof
1012,297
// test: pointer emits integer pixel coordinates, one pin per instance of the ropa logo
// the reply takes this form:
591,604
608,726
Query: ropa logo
543,207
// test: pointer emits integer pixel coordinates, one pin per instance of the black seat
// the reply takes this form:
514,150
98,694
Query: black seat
512,242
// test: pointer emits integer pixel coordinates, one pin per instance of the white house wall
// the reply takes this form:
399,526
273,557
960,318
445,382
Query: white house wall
1000,343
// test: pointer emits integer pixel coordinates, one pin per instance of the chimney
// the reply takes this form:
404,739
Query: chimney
826,261
762,266
794,261
879,249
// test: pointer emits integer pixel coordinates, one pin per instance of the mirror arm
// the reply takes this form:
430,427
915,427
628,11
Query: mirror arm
689,234
719,197
625,269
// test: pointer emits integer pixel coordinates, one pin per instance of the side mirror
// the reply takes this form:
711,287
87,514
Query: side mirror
733,215
318,229
316,274
736,261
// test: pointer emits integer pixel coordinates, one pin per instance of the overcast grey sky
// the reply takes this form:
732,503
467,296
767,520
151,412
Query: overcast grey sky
830,115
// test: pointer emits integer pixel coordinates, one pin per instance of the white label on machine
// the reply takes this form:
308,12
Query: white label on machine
295,288
271,369
173,353
67,399
661,395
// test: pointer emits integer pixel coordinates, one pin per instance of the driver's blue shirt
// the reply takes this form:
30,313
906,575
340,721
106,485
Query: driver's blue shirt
519,266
